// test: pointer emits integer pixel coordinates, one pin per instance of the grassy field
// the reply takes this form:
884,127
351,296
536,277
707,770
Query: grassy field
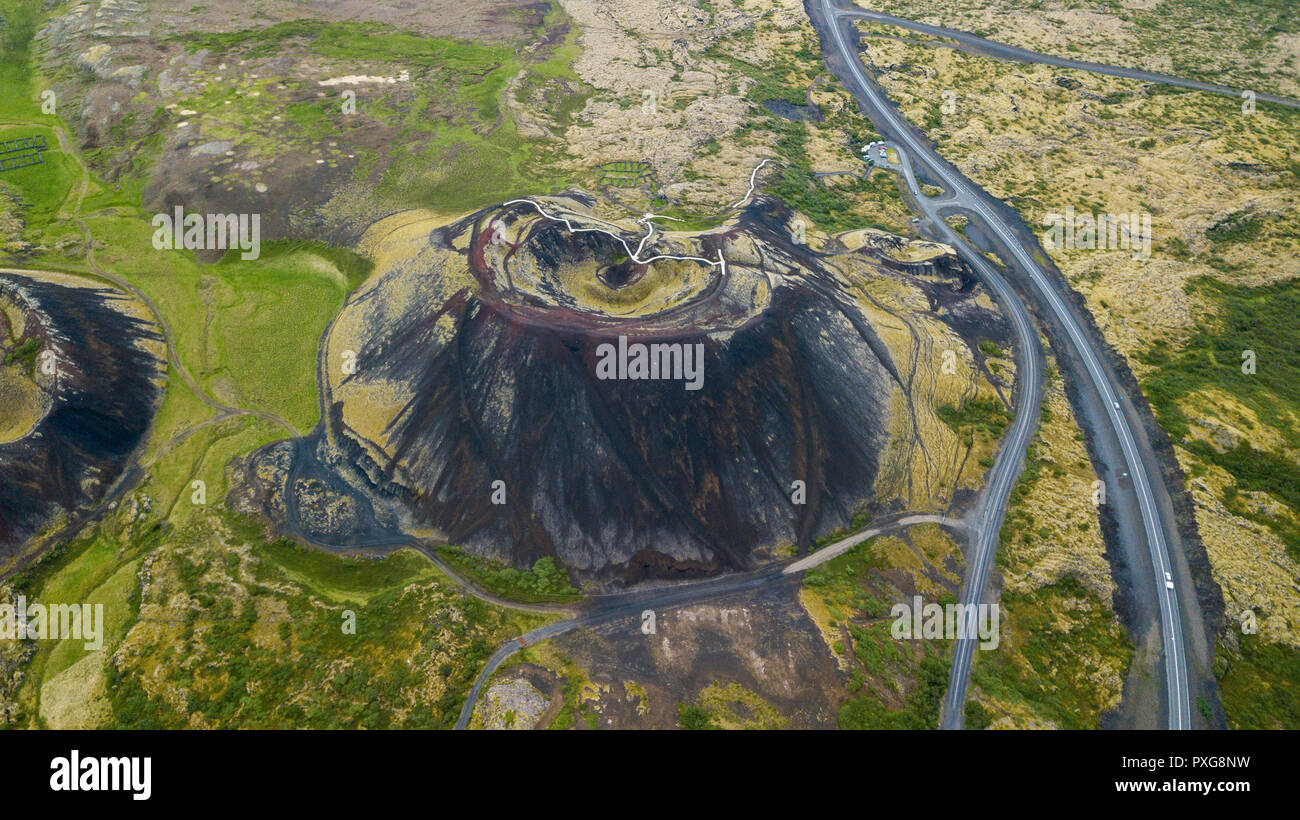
98,568
247,330
1260,685
256,636
204,456
21,98
340,580
44,187
482,146
275,637
1257,678
229,318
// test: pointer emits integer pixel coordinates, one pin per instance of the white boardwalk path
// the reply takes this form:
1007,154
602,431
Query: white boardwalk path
635,255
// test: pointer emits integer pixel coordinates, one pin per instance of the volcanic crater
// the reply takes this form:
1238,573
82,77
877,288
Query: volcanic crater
472,412
84,399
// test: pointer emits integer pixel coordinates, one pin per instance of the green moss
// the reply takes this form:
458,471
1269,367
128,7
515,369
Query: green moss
922,708
977,717
1047,667
25,355
1238,227
352,41
989,348
339,578
1260,685
690,716
770,88
986,415
1262,320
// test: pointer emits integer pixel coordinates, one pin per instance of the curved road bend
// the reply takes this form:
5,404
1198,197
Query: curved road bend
1009,462
1158,529
991,48
605,608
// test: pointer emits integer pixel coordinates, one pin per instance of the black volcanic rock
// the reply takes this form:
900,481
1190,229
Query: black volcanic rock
598,470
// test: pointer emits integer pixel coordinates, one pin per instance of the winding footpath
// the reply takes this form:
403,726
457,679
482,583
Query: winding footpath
646,220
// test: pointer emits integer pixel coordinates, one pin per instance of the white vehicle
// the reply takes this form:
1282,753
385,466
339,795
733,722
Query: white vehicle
1169,581
1116,404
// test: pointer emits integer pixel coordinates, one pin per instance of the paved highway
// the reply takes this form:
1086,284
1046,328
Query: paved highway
991,48
1009,463
965,194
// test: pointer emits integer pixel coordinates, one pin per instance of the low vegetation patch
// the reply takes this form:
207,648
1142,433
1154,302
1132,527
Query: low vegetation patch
546,581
